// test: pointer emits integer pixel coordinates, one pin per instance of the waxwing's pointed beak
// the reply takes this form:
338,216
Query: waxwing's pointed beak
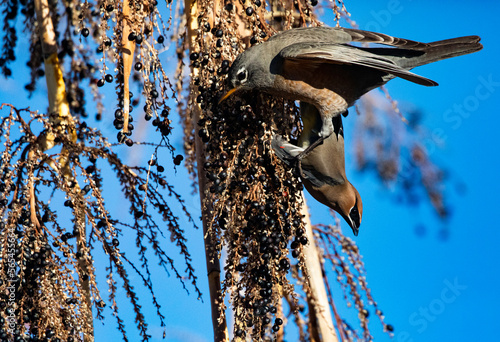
354,226
355,214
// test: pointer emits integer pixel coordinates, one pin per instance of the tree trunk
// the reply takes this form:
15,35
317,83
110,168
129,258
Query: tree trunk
320,318
212,261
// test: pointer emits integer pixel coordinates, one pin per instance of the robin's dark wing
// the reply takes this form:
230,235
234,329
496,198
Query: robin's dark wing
315,54
339,35
415,53
406,53
380,38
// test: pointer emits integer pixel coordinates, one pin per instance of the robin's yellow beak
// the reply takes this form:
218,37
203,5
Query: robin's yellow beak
228,93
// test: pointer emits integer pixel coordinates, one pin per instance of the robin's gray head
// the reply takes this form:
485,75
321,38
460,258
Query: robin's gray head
249,71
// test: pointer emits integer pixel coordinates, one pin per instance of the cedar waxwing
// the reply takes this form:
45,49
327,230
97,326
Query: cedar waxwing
317,65
323,169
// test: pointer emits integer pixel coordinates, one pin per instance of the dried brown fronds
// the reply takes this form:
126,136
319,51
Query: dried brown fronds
342,255
398,157
39,253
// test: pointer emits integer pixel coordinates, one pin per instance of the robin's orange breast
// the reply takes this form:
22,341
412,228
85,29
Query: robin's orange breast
327,101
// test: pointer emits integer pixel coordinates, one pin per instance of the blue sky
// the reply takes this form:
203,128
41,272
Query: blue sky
430,289
434,290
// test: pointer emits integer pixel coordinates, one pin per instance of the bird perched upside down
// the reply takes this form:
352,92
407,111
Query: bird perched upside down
323,170
317,65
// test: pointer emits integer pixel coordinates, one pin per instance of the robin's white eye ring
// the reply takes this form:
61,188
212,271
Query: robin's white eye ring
242,75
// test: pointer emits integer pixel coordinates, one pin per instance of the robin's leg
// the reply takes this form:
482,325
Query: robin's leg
299,166
327,122
308,150
305,153
326,128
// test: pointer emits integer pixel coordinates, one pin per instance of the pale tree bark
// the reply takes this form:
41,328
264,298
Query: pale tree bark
320,318
60,117
128,49
212,261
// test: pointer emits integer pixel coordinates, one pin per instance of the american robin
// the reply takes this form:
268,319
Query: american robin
316,65
323,169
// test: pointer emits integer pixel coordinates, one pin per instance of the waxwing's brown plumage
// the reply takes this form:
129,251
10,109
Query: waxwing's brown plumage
323,169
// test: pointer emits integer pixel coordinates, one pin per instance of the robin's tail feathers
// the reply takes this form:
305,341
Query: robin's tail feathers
448,48
459,40
409,54
435,51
